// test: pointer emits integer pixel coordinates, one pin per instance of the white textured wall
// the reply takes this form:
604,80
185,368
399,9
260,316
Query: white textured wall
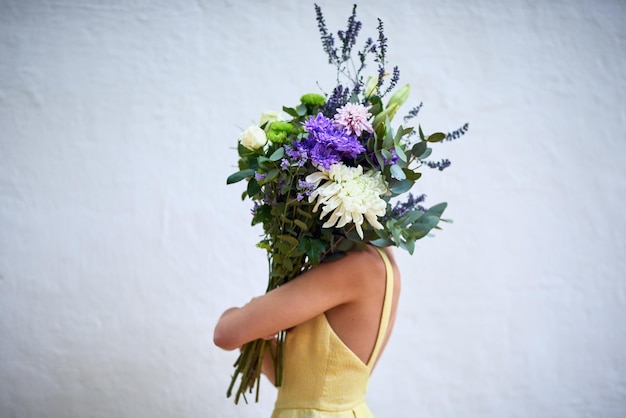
120,243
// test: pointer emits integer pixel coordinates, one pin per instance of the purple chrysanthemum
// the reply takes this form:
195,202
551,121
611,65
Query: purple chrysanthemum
326,143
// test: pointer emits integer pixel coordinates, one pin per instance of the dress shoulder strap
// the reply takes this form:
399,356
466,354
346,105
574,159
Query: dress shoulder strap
386,311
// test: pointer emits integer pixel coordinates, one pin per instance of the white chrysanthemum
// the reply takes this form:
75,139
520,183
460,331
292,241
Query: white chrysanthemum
349,195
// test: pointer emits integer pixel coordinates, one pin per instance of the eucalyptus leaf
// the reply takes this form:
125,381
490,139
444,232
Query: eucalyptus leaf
301,109
239,175
278,154
397,172
381,242
400,153
290,111
411,174
388,142
419,148
410,246
253,187
401,186
437,209
271,175
436,137
425,154
379,159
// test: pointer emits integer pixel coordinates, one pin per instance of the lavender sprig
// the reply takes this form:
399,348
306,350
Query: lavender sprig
441,165
338,98
380,51
456,134
328,40
348,37
413,113
410,204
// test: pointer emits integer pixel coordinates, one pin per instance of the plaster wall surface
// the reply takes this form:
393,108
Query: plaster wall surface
120,243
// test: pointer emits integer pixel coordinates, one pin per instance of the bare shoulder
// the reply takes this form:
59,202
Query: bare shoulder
360,270
356,264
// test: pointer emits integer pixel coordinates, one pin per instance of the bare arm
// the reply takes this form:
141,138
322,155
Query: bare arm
316,291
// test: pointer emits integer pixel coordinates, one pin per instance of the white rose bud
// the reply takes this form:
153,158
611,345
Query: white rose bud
253,138
268,117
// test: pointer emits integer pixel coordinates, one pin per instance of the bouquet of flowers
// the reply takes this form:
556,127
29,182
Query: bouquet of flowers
323,179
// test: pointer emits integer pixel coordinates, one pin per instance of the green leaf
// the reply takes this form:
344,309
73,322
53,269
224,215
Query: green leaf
381,242
264,244
421,133
397,172
399,135
304,213
313,247
282,247
400,153
395,232
379,158
410,246
239,175
402,186
377,105
271,175
436,137
287,264
301,109
278,154
303,227
411,174
389,137
253,187
425,224
262,215
288,238
426,154
290,111
407,131
410,217
438,209
419,149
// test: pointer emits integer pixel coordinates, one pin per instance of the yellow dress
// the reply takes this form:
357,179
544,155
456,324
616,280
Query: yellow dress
322,377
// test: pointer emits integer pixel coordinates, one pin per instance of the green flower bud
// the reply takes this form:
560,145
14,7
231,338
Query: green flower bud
370,86
312,99
277,131
400,96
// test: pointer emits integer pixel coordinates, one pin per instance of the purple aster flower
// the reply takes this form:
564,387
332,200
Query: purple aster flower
306,187
327,143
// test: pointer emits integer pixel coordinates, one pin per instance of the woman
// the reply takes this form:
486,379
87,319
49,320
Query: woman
339,315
